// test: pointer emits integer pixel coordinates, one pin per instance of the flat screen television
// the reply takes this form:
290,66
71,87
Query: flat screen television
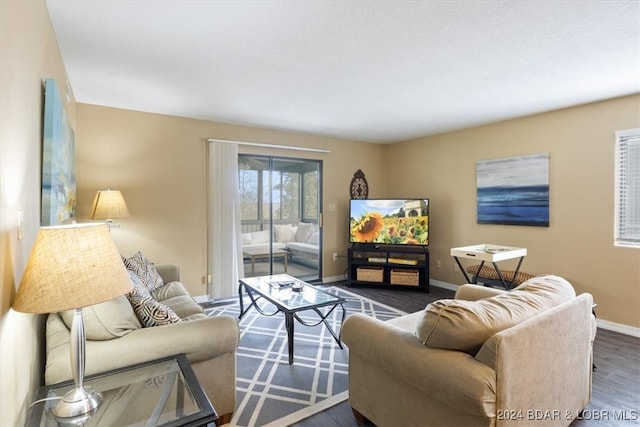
389,221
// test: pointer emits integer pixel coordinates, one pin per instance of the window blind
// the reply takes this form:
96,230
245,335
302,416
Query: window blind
627,213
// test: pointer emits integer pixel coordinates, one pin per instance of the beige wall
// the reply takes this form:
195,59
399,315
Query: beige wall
154,158
578,244
159,164
29,54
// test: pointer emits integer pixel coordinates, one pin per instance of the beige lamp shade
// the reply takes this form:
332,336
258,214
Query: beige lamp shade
109,204
71,266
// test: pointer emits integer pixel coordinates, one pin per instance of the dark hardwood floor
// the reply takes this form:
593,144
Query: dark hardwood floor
616,380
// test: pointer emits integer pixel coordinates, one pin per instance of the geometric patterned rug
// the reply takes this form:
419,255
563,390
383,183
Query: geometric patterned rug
270,392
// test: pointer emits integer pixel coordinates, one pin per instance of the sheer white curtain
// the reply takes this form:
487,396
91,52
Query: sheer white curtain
225,251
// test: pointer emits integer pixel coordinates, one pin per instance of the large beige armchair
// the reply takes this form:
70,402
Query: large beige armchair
485,358
116,338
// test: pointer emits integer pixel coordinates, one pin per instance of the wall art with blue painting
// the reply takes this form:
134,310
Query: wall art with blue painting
58,161
514,190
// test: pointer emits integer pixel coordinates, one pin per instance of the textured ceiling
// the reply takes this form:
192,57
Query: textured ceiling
377,71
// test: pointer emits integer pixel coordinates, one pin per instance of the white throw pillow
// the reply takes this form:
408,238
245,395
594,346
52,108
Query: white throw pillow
314,239
304,231
284,233
260,236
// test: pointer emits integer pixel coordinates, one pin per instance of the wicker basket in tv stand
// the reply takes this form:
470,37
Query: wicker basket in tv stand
388,266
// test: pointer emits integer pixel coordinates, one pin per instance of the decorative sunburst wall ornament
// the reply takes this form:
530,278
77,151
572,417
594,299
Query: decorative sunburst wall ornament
359,187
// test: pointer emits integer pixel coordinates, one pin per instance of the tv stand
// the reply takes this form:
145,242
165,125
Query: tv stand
404,267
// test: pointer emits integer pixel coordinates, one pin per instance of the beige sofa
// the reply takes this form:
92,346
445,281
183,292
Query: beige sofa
116,338
485,358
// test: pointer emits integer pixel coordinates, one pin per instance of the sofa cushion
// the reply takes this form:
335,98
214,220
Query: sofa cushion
110,319
466,325
145,270
265,247
183,305
246,239
314,239
260,237
307,248
149,311
195,316
169,290
304,231
284,233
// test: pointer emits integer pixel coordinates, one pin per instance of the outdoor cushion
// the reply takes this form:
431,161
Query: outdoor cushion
284,233
314,238
260,236
304,231
246,238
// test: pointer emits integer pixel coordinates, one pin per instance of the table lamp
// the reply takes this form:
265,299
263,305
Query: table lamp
108,204
71,267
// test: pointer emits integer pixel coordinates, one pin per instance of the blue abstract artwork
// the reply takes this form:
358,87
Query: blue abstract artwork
58,161
514,190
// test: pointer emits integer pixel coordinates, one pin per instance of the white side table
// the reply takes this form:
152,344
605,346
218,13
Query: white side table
489,253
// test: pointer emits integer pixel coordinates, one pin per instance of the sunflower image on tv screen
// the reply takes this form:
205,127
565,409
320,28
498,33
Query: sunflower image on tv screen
392,222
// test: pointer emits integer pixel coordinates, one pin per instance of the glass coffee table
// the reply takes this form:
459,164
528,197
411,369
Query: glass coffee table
163,392
290,296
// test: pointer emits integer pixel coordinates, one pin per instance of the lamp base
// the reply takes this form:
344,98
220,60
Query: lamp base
78,401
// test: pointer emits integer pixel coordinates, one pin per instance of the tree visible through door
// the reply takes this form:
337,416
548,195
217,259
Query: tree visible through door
280,212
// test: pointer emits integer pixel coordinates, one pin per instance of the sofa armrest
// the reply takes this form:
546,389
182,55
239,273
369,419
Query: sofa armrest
199,340
453,378
471,292
168,272
545,362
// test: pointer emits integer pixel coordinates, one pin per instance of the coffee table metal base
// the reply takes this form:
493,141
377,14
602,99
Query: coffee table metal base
288,320
290,315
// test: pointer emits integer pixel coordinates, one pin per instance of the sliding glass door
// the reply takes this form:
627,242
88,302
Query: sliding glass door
280,216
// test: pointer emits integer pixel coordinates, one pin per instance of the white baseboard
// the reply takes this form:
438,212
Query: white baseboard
443,285
333,279
201,298
618,327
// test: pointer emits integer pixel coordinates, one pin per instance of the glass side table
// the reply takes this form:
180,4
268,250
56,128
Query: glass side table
163,392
